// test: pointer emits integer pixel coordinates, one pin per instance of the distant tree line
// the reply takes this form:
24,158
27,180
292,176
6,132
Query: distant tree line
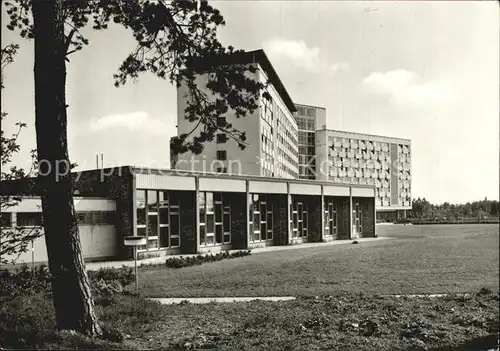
424,210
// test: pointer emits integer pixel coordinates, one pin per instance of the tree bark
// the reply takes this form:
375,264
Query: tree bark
73,302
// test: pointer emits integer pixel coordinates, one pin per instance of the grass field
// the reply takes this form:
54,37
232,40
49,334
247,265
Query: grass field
417,259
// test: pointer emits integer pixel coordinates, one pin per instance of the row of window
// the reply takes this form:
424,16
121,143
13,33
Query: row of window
158,219
215,218
304,123
306,112
307,138
299,222
267,110
357,218
330,218
261,218
360,155
366,144
34,219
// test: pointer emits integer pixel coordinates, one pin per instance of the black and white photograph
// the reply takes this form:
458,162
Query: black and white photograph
250,175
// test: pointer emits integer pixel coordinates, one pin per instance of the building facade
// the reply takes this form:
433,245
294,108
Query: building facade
354,158
271,131
180,212
96,224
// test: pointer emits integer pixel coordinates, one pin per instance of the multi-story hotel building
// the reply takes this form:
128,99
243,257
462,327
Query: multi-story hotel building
271,132
288,140
354,158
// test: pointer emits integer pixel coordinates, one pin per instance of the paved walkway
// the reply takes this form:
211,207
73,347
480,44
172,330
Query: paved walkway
204,300
161,260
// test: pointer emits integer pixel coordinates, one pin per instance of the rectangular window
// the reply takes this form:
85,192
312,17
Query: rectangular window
141,207
221,122
174,224
175,241
209,202
210,223
164,215
6,220
218,234
221,155
96,218
202,235
227,223
153,225
152,201
29,219
164,237
221,138
218,212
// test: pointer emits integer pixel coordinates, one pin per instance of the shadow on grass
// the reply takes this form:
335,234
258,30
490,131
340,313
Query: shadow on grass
485,343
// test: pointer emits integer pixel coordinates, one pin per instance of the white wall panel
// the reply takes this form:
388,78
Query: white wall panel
363,192
221,184
267,187
305,189
165,181
335,190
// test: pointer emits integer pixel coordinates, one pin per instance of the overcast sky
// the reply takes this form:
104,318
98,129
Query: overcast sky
427,71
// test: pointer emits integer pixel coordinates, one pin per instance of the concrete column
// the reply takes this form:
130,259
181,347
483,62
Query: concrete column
322,209
350,214
247,212
197,209
374,217
289,213
127,252
134,208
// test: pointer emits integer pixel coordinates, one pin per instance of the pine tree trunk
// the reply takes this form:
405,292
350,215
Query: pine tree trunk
73,302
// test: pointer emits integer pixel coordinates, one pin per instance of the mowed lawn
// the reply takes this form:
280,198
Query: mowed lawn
416,259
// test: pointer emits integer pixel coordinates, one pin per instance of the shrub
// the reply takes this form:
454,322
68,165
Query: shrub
27,281
24,281
26,322
180,262
123,275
